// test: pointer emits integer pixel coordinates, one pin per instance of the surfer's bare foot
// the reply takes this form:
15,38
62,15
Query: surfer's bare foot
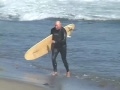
68,74
54,73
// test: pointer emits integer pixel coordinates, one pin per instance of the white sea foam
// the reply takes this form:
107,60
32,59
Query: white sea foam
70,9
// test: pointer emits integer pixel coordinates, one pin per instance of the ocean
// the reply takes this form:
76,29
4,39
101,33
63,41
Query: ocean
93,51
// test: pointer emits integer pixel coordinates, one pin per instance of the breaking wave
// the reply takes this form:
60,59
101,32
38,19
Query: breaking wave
27,10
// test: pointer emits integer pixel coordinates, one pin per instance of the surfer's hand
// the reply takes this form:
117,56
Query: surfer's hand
53,41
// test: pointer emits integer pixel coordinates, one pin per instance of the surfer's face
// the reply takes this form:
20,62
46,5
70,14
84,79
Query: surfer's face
58,26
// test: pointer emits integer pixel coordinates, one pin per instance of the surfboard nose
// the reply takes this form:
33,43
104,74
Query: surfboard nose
71,27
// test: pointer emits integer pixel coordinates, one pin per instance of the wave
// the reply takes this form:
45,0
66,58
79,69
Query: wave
22,10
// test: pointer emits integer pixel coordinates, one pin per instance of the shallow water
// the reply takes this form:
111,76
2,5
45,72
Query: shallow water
93,50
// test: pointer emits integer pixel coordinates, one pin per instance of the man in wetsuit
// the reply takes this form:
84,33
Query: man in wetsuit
59,45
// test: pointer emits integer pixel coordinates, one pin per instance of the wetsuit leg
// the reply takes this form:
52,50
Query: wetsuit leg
63,53
55,52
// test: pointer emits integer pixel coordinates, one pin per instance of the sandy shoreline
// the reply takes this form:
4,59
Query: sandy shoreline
51,83
8,84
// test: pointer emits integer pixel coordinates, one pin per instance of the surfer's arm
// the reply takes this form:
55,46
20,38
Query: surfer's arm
51,31
53,41
64,35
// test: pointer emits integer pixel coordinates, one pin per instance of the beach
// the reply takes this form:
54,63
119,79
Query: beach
6,84
85,64
93,51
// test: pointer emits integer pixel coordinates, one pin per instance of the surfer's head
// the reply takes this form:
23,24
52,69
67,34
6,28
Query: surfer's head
58,25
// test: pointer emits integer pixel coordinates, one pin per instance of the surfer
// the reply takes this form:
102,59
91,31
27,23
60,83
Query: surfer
59,45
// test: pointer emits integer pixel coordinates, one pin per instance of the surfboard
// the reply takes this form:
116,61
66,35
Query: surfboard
43,47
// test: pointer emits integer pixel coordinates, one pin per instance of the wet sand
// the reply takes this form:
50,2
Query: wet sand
7,84
60,82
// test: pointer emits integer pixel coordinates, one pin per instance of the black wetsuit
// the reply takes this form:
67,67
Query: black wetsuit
59,36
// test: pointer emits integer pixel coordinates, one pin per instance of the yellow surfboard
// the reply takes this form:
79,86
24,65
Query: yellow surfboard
43,47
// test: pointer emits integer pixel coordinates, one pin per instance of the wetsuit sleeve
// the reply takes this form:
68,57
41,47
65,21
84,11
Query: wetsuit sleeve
51,31
64,35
